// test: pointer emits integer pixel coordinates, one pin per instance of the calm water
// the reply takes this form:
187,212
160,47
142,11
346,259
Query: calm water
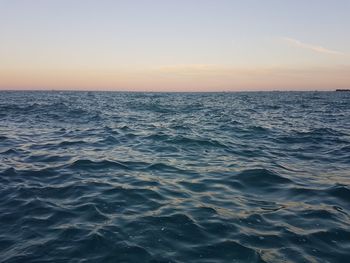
147,177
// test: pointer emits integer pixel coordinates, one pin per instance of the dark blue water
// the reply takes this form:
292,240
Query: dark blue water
148,177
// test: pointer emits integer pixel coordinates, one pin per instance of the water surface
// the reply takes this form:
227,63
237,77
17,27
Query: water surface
157,177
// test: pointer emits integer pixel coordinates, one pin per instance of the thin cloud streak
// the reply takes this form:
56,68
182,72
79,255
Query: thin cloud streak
315,48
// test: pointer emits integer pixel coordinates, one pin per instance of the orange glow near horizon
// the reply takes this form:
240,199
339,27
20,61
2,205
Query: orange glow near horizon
178,78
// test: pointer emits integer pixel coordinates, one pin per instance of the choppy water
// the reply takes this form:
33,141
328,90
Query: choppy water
147,177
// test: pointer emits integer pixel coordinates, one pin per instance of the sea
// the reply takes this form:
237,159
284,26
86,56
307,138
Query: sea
174,177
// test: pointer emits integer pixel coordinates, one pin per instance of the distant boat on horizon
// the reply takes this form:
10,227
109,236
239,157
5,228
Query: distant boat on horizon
342,90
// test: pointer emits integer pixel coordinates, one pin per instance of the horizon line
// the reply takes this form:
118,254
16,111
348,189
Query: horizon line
153,91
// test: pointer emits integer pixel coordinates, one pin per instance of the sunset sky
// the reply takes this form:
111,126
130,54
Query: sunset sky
182,45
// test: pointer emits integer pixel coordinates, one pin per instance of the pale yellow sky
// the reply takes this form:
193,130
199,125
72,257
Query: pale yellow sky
180,78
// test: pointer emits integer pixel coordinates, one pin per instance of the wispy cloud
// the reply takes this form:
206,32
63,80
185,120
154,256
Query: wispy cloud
315,48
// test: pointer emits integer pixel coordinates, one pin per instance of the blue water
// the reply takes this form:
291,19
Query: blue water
156,177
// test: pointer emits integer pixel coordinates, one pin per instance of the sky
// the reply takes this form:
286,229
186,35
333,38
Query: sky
182,45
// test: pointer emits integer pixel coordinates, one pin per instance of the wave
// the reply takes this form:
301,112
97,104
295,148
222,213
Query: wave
3,138
88,164
260,178
226,250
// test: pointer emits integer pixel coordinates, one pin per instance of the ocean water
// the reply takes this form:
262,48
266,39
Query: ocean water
181,177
